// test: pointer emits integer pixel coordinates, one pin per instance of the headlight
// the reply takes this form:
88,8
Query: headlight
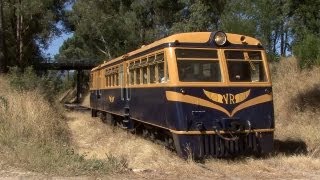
220,38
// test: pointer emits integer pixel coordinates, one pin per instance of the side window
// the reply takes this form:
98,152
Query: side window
145,74
152,69
99,79
107,76
131,73
138,75
107,83
144,71
115,76
161,78
111,80
120,75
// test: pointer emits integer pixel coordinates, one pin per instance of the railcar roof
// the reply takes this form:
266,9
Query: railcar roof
191,37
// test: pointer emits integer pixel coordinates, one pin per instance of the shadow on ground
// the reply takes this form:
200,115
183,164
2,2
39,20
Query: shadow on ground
308,99
290,147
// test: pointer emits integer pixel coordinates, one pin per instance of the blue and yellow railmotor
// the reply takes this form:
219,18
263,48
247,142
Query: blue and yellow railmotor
203,93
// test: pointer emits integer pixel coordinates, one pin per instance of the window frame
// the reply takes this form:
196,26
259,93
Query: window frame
218,59
264,65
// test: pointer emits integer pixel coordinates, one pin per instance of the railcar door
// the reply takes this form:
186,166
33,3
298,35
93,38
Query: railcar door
125,98
125,91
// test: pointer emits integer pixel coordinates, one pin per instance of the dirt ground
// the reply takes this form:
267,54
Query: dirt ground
149,160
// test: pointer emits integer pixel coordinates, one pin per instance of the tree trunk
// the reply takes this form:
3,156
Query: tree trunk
274,49
285,43
3,48
19,39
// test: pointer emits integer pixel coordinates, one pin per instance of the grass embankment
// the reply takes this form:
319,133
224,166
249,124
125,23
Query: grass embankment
297,107
34,136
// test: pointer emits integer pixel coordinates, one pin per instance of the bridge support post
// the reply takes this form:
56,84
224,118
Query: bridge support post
79,88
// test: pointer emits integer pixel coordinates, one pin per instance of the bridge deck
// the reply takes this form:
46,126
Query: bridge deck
67,66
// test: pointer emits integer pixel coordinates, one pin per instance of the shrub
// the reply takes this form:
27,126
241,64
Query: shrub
308,51
49,85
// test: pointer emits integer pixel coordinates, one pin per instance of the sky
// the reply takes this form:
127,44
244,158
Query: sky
56,43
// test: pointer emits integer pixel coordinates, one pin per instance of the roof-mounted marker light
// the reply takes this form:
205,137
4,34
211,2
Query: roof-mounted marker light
243,40
259,44
220,38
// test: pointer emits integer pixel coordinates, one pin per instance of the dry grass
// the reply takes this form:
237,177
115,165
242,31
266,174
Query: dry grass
149,160
297,104
34,135
297,133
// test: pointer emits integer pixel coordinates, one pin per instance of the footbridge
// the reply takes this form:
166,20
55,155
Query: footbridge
77,65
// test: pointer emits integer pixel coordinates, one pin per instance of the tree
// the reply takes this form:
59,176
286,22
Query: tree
267,20
115,27
204,15
27,26
3,56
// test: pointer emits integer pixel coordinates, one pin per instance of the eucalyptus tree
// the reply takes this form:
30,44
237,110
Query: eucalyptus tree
106,29
3,57
26,27
202,15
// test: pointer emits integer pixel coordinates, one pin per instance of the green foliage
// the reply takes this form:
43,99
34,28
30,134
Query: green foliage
27,80
308,51
305,17
115,27
107,29
28,26
49,85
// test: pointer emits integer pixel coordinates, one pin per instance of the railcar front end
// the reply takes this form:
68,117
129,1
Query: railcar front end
222,102
209,93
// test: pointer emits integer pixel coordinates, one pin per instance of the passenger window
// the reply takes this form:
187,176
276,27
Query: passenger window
131,77
131,73
162,78
138,76
145,75
116,80
111,81
107,81
152,73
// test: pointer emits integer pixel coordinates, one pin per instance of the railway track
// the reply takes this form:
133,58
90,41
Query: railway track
76,107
